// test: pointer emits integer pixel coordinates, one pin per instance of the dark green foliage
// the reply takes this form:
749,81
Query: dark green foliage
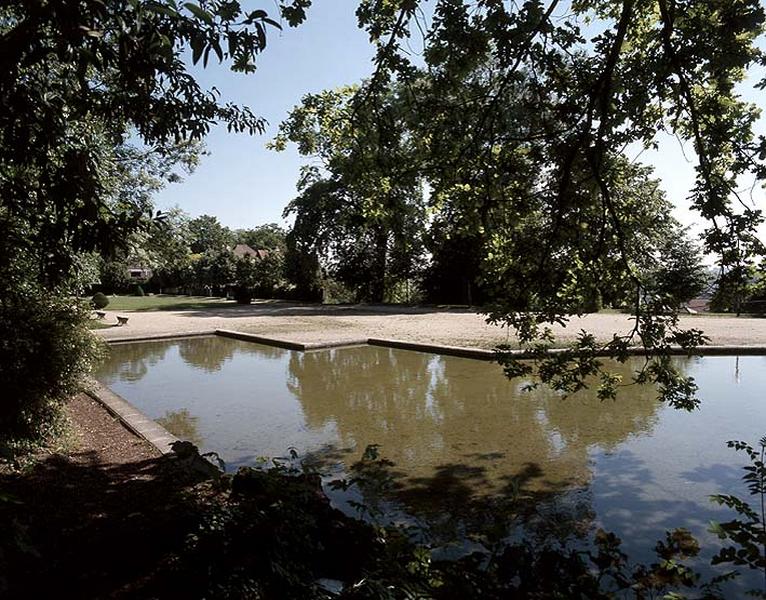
75,80
214,270
206,234
756,288
268,237
243,295
680,274
454,276
594,301
368,255
748,532
516,118
99,300
302,270
362,213
583,93
732,289
45,350
741,290
259,276
165,249
267,534
508,225
139,291
115,276
568,370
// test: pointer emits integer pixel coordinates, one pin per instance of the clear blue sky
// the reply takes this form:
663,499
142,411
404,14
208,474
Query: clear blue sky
244,184
241,182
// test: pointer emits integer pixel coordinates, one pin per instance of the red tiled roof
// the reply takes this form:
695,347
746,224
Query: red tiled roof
245,250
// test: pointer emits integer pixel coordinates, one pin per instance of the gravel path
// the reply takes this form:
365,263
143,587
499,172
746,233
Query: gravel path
310,323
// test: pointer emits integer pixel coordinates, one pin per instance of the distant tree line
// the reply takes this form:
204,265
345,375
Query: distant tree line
180,254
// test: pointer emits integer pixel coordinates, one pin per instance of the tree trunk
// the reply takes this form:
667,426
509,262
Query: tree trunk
378,283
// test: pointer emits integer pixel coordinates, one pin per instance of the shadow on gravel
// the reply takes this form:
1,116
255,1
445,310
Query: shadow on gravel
279,308
78,529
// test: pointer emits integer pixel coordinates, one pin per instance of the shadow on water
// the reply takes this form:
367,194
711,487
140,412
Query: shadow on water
459,509
720,474
631,502
459,506
467,454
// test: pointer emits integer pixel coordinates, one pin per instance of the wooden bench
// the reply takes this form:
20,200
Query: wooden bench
100,314
122,321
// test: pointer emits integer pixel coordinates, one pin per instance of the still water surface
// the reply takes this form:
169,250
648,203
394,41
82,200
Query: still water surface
463,439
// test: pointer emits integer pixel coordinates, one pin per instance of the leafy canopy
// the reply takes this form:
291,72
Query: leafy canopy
77,81
526,110
98,106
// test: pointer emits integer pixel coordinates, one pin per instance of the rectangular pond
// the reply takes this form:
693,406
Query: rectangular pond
467,447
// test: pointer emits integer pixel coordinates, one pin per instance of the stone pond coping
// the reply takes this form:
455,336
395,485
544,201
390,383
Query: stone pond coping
131,417
158,336
482,354
290,344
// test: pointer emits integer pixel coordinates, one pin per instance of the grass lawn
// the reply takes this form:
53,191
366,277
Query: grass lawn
165,302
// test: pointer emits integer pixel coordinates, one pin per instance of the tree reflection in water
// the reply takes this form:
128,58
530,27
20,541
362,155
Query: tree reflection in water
210,353
466,447
183,425
130,362
207,353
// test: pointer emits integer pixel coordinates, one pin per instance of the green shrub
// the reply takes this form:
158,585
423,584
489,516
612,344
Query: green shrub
114,277
139,291
274,534
45,350
99,301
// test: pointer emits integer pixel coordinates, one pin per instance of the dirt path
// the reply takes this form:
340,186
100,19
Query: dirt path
101,439
317,323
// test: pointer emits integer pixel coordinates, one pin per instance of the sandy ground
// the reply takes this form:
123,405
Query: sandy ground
317,323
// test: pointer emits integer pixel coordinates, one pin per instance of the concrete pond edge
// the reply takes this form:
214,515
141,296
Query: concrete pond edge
289,344
158,337
132,418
